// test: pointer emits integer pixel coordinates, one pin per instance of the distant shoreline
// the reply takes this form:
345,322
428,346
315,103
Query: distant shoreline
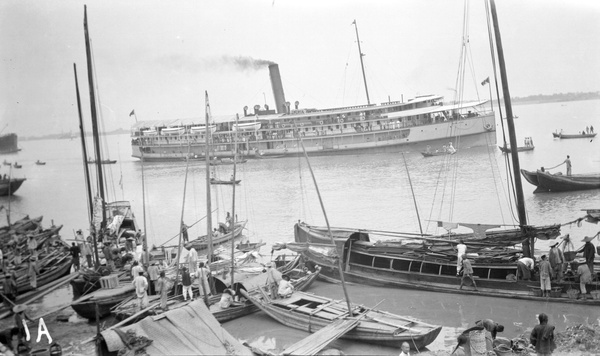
532,99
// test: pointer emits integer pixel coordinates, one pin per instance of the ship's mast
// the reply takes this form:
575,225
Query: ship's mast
86,170
362,66
528,246
209,252
88,52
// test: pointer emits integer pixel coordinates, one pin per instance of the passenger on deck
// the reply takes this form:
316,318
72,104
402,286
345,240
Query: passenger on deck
202,275
226,299
272,279
162,289
557,260
285,287
141,286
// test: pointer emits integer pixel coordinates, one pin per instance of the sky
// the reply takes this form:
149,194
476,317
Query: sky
159,57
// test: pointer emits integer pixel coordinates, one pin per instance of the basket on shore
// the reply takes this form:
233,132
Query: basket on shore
569,255
572,293
595,294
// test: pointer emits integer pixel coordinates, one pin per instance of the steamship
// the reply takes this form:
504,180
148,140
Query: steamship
373,128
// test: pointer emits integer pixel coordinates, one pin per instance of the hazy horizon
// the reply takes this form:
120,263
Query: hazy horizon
158,58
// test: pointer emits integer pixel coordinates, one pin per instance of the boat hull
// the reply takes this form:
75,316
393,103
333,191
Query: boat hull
10,186
472,132
569,136
519,149
368,329
562,183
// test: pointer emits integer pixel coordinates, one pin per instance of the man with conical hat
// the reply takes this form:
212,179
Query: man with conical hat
589,252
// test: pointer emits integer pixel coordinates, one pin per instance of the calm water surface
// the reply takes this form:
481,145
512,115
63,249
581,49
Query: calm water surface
367,191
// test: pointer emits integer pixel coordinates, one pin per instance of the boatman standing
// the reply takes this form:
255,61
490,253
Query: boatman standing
568,163
461,250
589,252
557,260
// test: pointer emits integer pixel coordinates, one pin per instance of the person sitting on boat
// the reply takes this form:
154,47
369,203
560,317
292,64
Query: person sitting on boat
491,326
226,299
450,148
525,268
231,178
215,233
285,287
461,249
467,272
273,278
428,149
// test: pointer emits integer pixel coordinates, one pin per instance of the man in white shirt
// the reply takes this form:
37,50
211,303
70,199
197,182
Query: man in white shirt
141,286
525,267
462,250
405,349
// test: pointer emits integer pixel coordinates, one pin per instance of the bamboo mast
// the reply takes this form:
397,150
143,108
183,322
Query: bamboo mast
362,66
145,239
207,132
86,169
187,165
237,118
339,260
88,52
528,245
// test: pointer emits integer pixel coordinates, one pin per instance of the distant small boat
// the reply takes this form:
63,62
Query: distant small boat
547,182
507,149
579,135
16,165
40,163
224,161
249,246
230,182
6,163
104,161
437,153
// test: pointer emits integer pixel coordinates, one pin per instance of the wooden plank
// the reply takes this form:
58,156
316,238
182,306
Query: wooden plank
385,322
317,341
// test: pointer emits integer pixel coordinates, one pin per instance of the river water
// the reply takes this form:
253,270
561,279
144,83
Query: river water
361,191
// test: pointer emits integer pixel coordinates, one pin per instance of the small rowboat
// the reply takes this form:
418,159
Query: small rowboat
311,312
149,132
200,129
40,163
437,153
507,149
104,161
562,135
228,182
246,126
226,161
172,131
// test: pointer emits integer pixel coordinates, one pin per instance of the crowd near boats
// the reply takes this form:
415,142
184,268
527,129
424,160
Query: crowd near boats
158,294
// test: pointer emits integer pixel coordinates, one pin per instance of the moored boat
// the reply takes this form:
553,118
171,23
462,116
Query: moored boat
8,143
104,298
223,235
310,312
437,153
429,264
40,163
226,161
507,149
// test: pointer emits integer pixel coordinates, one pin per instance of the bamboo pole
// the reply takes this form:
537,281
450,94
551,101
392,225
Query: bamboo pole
339,259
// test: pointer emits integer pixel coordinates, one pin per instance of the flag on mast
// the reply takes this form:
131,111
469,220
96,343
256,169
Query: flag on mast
486,81
132,113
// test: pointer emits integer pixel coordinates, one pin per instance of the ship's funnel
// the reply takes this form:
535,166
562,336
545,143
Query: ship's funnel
277,88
